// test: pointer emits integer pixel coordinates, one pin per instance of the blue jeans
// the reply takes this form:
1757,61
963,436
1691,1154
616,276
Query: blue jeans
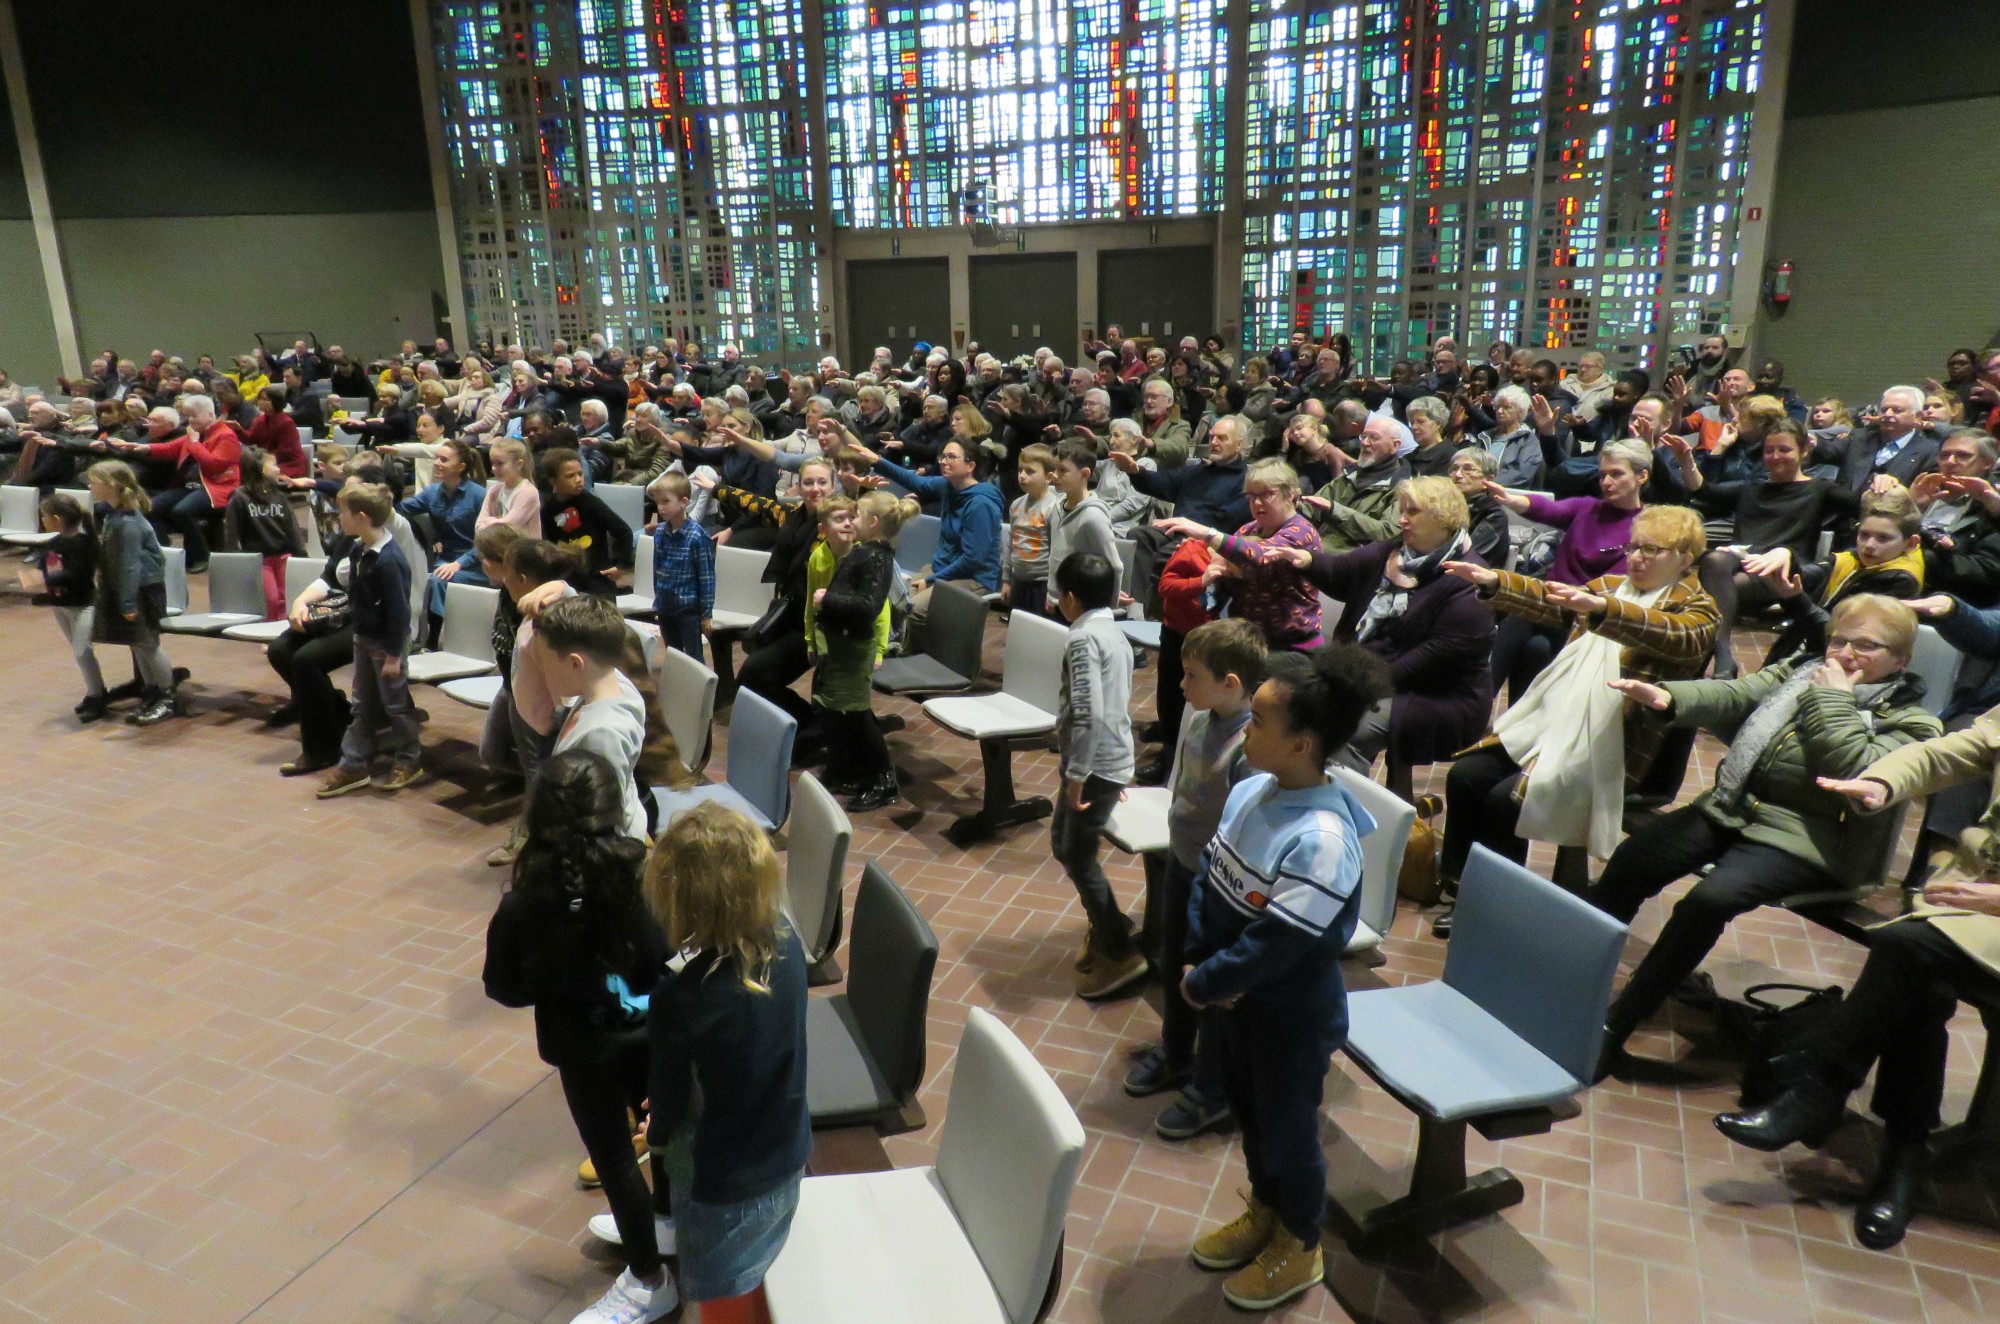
681,631
434,588
725,1249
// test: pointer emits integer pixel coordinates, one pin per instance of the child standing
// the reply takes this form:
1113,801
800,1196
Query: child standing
1225,663
852,613
581,641
1081,523
1024,575
683,567
378,596
529,702
1095,734
573,939
258,518
1275,901
69,584
132,587
733,1018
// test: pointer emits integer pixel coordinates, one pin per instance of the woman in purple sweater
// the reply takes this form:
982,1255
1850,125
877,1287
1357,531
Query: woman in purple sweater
1595,531
1256,573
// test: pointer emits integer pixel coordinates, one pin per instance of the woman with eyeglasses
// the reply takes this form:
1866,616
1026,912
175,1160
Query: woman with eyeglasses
1768,827
1560,761
1595,530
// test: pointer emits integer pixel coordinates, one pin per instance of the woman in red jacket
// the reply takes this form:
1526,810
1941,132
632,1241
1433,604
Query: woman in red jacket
207,464
277,435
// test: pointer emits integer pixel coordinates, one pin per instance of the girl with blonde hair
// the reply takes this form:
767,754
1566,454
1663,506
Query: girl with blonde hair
132,587
733,1018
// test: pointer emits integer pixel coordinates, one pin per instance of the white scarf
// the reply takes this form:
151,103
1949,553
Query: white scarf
1568,733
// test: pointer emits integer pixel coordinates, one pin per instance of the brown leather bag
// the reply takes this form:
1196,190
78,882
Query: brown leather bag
1419,880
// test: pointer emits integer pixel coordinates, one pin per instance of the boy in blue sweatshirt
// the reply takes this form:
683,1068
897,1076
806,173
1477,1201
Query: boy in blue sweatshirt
378,596
1274,904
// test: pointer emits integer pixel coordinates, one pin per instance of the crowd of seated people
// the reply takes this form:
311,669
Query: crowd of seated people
1579,544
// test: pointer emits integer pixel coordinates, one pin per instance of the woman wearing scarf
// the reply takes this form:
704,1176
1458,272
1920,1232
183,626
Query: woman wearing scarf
1258,576
1561,760
1766,825
1895,1018
1432,628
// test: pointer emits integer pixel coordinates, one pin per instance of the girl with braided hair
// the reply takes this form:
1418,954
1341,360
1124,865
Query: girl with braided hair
574,940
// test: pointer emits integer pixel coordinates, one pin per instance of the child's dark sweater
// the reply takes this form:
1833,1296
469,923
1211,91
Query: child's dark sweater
747,1048
69,564
859,587
261,524
378,594
587,524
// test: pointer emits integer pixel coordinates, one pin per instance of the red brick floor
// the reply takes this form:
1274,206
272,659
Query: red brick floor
247,1072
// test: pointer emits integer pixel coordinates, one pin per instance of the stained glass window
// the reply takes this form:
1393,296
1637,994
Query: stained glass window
1067,110
637,167
1565,173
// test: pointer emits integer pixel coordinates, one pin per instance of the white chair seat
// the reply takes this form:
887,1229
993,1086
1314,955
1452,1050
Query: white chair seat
728,620
208,622
1139,823
430,668
1438,1049
1142,634
258,632
28,539
674,803
634,604
879,1248
473,691
989,716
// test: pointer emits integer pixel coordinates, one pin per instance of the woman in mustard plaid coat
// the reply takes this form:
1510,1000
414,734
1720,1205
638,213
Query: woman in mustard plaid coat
1559,762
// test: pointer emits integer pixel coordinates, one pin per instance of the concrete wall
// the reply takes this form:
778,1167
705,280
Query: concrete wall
27,335
242,180
206,284
1888,217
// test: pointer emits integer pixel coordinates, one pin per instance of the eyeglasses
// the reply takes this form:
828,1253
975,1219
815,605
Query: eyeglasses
1646,549
1864,647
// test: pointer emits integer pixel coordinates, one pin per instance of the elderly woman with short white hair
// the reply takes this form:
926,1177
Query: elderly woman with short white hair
1513,442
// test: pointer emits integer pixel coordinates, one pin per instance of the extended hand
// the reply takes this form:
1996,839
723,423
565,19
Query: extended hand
1864,791
1965,894
1574,598
1483,576
1644,694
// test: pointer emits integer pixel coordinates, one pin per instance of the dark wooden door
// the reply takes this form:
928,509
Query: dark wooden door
1157,294
1024,300
897,302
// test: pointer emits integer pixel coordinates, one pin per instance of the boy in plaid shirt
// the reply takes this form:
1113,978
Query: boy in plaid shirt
683,567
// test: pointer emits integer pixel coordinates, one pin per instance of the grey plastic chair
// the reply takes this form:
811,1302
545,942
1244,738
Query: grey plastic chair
1938,663
1507,1038
300,572
815,867
465,641
687,701
865,1046
978,1238
639,602
1381,855
757,778
917,543
952,638
235,595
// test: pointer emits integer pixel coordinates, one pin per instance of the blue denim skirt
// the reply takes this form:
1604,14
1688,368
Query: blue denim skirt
725,1249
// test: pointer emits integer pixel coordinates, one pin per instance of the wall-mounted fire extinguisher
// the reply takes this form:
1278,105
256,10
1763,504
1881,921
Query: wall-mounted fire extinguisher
1778,290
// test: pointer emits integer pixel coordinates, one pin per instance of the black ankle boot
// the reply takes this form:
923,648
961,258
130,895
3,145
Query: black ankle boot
156,707
1809,1112
1618,1027
1884,1212
883,793
92,708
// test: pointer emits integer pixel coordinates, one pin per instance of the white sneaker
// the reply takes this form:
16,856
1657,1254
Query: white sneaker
605,1228
628,1302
